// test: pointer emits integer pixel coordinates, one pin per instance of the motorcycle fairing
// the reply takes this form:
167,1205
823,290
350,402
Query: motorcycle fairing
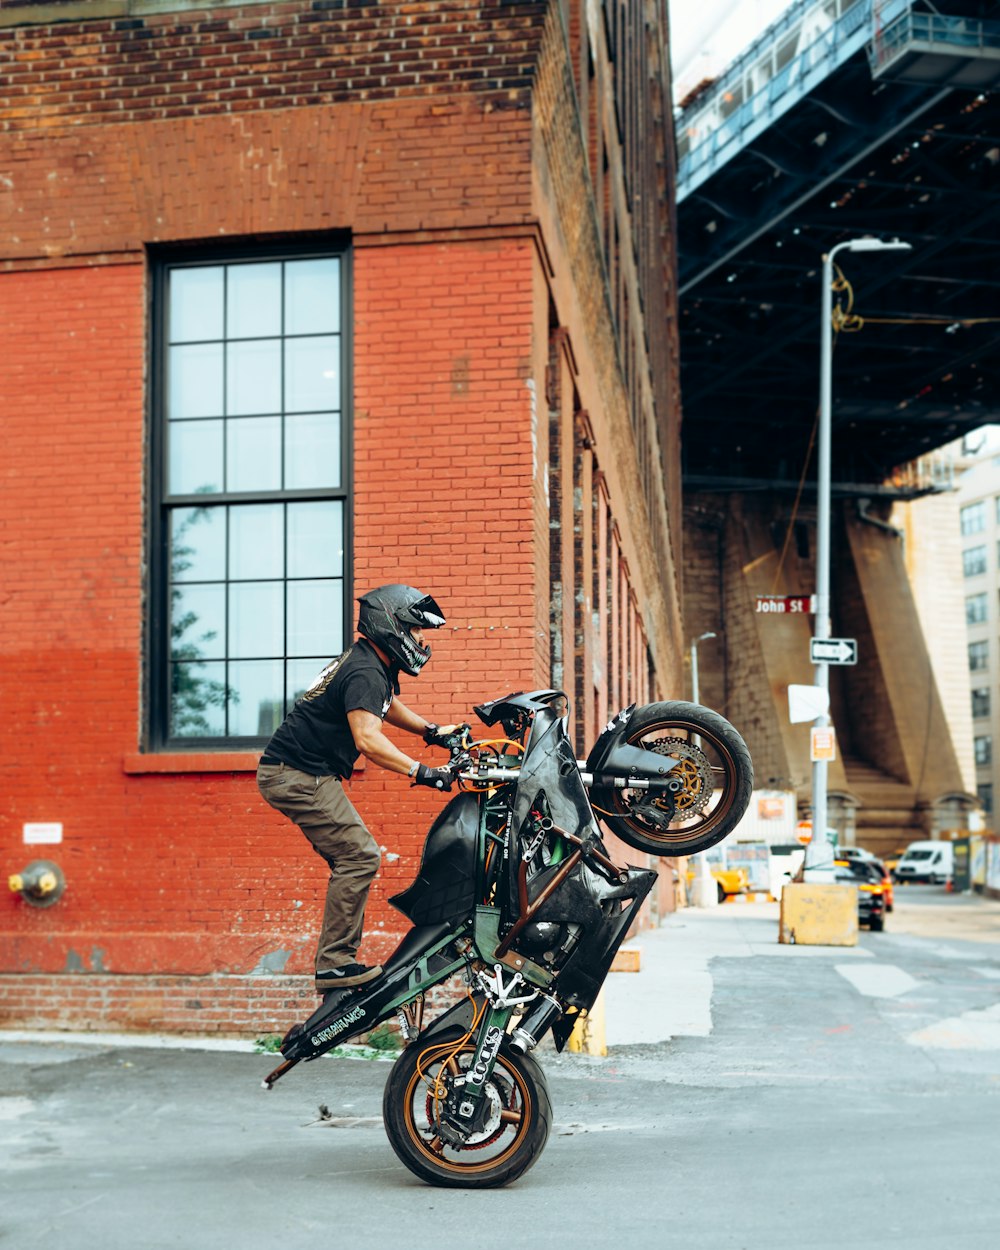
579,981
421,960
445,886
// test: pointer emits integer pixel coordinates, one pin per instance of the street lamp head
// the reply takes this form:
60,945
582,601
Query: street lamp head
702,637
878,245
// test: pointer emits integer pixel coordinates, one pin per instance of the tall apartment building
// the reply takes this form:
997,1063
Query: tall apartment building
979,519
296,299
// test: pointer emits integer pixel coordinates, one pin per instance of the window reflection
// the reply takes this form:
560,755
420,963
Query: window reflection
312,450
311,291
312,374
195,388
195,457
196,304
253,377
252,405
316,539
253,454
253,301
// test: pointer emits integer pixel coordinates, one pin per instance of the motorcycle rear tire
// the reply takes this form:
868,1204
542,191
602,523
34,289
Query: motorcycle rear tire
615,807
522,1112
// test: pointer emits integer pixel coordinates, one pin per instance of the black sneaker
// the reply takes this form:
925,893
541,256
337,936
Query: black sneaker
344,977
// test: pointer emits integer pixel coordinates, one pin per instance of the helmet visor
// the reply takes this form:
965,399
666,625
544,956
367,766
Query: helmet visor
425,613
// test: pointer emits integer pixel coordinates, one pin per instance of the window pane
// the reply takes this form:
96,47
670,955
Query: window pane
253,454
195,457
312,451
198,544
301,675
256,542
315,618
312,296
196,304
194,387
253,377
253,301
312,374
316,540
251,399
198,622
198,700
256,702
256,619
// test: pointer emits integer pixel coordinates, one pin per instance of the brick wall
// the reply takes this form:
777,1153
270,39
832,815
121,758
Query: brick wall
190,903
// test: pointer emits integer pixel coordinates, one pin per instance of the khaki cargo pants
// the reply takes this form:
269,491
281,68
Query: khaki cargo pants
321,809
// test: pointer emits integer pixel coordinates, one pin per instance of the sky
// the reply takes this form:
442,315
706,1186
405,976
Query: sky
705,35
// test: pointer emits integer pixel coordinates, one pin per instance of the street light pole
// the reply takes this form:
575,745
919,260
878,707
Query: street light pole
819,860
704,892
694,663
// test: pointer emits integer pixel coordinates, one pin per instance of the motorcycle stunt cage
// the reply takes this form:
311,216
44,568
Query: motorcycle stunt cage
431,953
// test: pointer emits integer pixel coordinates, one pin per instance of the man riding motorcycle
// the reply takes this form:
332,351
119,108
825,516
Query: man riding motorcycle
314,750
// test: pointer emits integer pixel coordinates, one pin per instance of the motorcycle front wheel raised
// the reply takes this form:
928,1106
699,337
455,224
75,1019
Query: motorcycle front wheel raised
508,1143
714,769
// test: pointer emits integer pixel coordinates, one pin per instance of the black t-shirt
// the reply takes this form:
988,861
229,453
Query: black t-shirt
315,736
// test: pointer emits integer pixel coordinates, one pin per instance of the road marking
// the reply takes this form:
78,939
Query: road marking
877,980
972,1030
12,1106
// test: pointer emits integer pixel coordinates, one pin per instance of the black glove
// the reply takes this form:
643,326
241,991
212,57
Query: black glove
451,737
436,778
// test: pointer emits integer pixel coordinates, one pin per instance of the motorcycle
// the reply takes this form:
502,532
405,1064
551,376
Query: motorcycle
517,899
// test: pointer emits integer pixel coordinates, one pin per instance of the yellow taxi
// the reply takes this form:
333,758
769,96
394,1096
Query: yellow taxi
727,880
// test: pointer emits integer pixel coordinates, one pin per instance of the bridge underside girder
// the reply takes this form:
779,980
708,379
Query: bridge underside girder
856,157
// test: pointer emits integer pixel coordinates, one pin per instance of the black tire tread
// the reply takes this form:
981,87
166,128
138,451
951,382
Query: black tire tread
399,1138
710,724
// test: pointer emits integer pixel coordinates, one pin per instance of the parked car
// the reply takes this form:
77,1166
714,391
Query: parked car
727,880
871,890
926,861
859,853
785,860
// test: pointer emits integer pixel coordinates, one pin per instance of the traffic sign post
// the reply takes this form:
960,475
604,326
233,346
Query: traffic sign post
833,651
786,605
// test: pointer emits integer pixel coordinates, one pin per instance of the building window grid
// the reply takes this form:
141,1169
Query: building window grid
985,795
983,747
974,561
980,703
186,708
973,518
975,609
979,656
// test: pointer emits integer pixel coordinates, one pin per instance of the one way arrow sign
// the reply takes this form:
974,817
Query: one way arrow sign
833,651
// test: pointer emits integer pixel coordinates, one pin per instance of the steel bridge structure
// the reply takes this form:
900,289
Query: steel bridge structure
844,118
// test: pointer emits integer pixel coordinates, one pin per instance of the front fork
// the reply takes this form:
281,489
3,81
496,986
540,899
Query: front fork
503,991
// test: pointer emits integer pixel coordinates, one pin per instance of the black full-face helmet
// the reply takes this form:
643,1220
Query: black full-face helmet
386,616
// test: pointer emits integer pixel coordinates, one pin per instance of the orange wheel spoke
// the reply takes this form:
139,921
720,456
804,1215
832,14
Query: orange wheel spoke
511,1117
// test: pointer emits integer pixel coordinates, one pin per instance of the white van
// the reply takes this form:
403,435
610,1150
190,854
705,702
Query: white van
926,861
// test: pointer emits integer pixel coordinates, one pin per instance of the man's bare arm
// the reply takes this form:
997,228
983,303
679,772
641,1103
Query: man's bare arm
366,729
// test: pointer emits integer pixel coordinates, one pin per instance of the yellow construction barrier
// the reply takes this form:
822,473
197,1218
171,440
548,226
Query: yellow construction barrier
588,1036
814,914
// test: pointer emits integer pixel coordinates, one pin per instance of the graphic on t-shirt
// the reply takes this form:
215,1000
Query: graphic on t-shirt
326,676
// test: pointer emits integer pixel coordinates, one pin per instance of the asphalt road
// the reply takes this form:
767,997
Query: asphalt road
834,1099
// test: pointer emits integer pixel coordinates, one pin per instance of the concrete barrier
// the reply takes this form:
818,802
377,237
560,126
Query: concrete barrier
589,1036
814,914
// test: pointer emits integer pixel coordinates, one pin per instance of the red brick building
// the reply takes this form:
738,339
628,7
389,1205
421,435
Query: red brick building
295,299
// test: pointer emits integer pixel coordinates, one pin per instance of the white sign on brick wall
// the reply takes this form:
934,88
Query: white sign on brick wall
39,833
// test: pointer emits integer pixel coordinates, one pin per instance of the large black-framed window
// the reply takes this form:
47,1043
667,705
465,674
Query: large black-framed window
250,487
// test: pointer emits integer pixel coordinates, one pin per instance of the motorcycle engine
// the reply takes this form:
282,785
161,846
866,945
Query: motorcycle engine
542,935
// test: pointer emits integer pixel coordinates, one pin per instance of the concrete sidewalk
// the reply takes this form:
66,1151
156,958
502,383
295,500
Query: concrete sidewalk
672,994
